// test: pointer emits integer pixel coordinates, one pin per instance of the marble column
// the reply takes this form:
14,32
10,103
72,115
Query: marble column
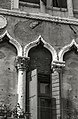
22,66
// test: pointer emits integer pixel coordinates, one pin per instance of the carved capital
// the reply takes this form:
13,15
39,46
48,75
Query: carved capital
22,62
57,66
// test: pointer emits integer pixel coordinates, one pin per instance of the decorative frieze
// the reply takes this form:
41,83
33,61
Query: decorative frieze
22,63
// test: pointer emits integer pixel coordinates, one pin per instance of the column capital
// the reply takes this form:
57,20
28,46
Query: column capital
57,66
22,62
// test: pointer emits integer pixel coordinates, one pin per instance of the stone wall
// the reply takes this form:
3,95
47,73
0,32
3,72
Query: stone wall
70,84
8,75
5,4
24,31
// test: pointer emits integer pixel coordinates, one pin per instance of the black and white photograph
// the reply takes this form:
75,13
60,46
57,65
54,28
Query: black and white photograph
38,59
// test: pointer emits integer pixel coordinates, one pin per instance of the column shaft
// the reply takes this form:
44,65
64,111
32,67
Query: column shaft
70,8
21,88
42,7
14,4
22,66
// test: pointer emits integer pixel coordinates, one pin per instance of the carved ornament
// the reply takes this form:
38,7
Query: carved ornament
57,66
22,62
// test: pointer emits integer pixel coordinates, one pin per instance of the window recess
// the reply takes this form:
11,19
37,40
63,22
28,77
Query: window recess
44,85
30,1
60,3
45,108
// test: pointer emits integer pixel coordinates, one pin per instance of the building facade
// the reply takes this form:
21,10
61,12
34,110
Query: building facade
39,59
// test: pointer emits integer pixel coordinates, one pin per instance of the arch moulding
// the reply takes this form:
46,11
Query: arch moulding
13,42
45,44
66,49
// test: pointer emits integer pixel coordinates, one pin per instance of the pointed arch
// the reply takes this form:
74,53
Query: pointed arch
45,44
66,49
13,42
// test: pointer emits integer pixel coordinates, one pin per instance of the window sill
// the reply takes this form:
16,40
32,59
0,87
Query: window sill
58,9
75,10
29,4
44,95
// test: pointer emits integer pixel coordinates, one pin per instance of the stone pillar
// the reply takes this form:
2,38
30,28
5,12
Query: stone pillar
42,6
56,89
22,65
15,4
49,4
70,8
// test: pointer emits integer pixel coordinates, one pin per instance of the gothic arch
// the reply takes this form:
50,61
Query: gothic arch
66,49
45,44
13,42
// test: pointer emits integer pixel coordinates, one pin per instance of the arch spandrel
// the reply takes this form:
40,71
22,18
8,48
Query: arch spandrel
13,42
66,49
45,44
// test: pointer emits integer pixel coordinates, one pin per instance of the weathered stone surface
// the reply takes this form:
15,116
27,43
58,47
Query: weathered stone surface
56,34
26,34
5,4
70,82
8,75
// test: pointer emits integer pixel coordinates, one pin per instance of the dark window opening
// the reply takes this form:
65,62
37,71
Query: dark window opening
44,88
31,1
45,108
60,3
44,85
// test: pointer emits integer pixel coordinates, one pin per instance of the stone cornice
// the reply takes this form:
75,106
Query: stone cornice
39,16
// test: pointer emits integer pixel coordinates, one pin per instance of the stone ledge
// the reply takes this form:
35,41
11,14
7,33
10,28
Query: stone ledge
39,16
